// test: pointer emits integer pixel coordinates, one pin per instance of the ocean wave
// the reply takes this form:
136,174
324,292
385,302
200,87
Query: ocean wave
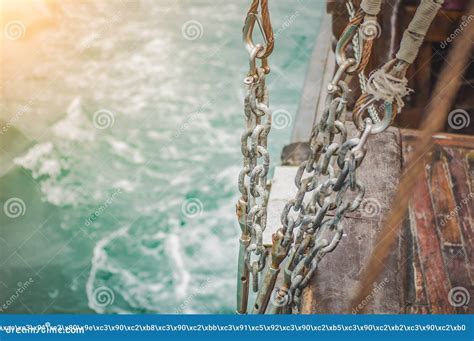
75,126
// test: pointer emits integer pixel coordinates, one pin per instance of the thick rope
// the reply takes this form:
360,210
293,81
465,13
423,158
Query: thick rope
365,58
389,82
415,33
371,7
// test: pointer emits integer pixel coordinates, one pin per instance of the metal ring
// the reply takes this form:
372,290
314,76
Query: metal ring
252,75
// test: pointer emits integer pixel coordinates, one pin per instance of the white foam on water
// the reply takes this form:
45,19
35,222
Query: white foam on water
33,159
46,166
59,195
125,151
157,86
135,290
125,185
154,135
100,261
181,275
75,126
48,161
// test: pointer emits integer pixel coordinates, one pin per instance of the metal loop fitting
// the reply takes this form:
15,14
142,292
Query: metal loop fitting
343,43
363,112
252,76
256,50
247,33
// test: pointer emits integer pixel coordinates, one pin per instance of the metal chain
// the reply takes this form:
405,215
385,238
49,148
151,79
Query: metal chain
326,182
252,206
327,185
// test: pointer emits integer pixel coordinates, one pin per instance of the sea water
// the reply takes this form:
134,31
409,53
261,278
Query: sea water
120,150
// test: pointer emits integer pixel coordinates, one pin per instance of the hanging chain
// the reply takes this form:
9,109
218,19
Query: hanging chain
252,206
327,182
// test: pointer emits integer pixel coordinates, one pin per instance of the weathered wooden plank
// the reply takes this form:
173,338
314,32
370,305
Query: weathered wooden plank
444,204
430,251
458,273
446,254
443,139
415,297
461,189
470,163
418,309
339,273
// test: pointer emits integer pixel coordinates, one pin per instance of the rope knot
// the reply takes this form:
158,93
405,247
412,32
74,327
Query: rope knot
385,84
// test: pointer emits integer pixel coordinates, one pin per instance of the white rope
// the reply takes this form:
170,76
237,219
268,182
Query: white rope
382,85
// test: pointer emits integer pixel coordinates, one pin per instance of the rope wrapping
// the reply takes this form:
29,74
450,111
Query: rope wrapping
385,84
389,83
414,35
371,7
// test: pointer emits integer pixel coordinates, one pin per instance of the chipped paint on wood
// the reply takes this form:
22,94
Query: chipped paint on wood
441,255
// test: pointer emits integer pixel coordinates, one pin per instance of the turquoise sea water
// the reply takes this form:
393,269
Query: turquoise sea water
120,150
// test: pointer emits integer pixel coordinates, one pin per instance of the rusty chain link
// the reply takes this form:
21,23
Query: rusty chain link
327,185
252,206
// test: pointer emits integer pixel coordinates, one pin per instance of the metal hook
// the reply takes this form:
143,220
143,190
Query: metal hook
377,127
247,33
343,43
